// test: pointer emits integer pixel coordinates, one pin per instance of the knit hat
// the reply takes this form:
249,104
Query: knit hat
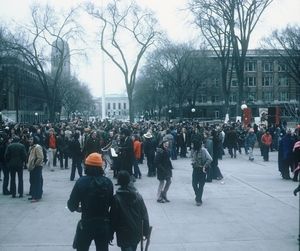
94,159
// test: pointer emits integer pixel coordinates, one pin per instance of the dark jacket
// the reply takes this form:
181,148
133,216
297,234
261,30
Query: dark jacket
74,147
15,154
163,164
80,192
62,143
127,213
149,146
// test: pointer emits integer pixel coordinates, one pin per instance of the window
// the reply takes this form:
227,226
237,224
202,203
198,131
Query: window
267,96
252,96
283,67
283,96
124,106
251,81
267,81
250,66
202,84
202,98
119,105
267,67
234,82
108,106
215,98
215,83
233,97
283,81
114,106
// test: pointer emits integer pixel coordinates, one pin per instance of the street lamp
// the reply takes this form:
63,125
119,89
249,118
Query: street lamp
243,107
193,112
36,116
170,111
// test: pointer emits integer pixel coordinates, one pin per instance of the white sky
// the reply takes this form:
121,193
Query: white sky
278,15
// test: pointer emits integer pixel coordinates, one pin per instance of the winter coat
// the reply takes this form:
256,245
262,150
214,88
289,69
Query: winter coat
15,154
35,158
126,215
250,140
163,164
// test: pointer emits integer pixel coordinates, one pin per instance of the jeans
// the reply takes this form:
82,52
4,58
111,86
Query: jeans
220,152
230,148
265,152
137,171
97,230
198,182
76,162
162,191
62,156
173,152
36,183
132,248
150,163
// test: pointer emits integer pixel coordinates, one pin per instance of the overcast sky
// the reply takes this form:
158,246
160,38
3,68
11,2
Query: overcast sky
278,15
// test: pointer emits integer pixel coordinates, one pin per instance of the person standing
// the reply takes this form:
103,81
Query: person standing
201,160
285,155
50,144
149,150
127,152
15,156
92,196
137,155
62,148
183,142
4,167
92,144
128,216
266,141
76,156
164,168
231,138
35,166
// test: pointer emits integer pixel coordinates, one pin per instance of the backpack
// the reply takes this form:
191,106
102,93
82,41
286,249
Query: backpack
97,199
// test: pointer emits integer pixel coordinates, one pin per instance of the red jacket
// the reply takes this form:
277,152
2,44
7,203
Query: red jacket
266,139
137,149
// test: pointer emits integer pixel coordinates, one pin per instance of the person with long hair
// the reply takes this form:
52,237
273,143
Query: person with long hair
201,160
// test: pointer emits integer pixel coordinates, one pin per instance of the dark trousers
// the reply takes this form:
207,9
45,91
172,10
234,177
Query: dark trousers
265,152
150,163
62,156
97,230
198,182
19,171
137,171
36,183
232,149
183,150
132,248
5,169
76,162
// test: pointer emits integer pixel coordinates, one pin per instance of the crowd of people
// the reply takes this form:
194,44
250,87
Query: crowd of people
128,145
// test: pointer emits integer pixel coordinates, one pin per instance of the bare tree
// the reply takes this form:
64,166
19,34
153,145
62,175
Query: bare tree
232,21
285,47
126,34
177,64
48,32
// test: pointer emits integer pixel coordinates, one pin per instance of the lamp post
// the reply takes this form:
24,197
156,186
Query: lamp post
193,112
170,111
36,117
243,107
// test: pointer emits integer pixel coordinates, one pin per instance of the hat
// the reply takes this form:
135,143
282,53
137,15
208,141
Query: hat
148,135
87,129
126,132
94,159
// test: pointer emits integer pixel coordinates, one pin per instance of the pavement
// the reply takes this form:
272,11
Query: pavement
251,208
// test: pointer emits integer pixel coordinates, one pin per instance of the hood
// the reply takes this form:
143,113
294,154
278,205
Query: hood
128,194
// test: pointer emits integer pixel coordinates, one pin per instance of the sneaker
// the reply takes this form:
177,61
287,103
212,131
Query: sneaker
198,204
161,201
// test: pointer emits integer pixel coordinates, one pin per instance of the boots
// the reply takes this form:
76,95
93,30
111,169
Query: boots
296,190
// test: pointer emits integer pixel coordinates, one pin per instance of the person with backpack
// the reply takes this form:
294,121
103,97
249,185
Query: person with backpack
92,196
128,215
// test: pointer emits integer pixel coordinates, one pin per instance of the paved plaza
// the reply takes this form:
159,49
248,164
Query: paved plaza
252,208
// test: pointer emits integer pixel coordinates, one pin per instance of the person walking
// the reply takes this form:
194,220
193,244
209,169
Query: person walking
15,156
128,215
201,160
35,166
62,148
250,142
164,168
266,141
231,138
4,140
92,196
